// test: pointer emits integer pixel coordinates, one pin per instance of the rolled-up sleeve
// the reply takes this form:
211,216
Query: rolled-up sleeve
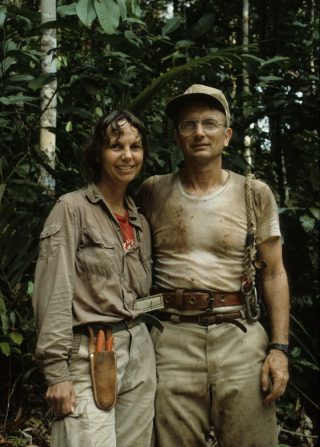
53,292
266,210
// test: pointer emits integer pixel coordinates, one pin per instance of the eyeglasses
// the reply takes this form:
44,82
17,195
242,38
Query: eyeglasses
188,127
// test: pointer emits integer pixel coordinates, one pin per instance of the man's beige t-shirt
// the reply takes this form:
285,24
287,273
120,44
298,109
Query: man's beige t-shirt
198,241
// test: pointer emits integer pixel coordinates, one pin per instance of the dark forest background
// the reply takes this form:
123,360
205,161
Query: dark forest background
136,55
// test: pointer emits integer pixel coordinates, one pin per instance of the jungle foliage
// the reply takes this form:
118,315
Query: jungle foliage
136,55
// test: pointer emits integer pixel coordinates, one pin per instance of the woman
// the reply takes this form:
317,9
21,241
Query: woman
94,262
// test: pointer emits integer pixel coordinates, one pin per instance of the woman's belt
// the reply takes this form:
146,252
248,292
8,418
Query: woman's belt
200,299
121,326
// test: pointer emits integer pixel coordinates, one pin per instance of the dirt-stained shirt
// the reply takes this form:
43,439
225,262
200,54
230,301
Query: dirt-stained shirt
198,240
84,274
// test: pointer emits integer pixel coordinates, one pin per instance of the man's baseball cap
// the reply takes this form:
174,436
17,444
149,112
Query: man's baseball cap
198,91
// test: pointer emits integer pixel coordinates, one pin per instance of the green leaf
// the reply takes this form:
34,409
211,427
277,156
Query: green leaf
275,60
3,12
16,337
4,316
204,24
247,57
133,38
16,99
307,222
108,13
12,317
135,8
172,25
298,24
138,103
26,23
6,64
315,212
20,78
5,348
123,9
67,10
184,43
4,122
2,189
86,12
30,288
40,81
270,78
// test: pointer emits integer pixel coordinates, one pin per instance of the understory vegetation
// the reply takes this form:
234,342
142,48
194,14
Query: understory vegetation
136,55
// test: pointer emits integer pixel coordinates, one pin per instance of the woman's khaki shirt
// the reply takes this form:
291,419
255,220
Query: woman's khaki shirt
84,275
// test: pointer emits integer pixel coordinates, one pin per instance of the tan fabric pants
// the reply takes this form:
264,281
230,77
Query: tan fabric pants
129,423
211,377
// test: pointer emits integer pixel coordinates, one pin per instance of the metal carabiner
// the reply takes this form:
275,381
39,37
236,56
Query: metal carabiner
251,303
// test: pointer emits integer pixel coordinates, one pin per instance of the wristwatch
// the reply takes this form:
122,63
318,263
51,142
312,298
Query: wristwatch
280,347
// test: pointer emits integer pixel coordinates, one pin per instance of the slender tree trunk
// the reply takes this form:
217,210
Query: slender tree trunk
245,42
313,15
277,155
48,94
246,80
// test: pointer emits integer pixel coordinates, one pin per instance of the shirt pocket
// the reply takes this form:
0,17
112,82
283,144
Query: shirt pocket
97,254
50,240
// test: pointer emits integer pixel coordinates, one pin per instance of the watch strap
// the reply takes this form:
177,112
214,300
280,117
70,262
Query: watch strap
280,347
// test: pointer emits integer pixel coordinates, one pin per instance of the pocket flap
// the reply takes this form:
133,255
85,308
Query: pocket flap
98,238
50,230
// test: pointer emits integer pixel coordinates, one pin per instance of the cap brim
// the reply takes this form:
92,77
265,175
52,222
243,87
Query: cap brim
175,103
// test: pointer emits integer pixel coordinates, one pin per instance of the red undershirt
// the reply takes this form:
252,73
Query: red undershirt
126,230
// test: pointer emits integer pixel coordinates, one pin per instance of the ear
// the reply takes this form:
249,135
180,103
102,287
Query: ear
228,135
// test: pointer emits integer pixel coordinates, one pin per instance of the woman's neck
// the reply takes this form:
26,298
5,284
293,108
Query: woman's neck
114,196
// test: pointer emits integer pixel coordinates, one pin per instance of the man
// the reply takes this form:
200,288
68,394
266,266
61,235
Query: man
214,364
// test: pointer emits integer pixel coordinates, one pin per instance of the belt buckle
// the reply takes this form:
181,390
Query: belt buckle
204,323
130,323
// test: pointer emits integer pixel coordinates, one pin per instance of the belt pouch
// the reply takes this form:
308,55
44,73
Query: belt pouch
103,368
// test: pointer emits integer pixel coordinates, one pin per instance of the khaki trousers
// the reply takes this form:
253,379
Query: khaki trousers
129,423
212,377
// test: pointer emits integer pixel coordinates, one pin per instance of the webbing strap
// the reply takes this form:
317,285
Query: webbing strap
250,248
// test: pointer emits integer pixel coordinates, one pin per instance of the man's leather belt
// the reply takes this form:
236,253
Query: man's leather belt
200,299
204,319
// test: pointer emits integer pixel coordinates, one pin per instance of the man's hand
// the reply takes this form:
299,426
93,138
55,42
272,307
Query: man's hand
61,398
275,375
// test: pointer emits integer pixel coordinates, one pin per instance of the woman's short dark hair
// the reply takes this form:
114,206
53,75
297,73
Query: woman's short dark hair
100,138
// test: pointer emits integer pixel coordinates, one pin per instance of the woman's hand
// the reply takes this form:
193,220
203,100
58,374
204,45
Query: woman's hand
61,398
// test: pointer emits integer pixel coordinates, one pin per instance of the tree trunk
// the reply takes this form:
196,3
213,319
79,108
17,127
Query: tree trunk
48,94
246,80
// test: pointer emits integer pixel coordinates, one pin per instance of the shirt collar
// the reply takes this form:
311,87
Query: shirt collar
94,196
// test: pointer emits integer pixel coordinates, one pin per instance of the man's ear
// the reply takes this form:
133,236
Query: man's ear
228,135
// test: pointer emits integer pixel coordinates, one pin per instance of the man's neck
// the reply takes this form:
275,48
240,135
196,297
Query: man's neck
201,180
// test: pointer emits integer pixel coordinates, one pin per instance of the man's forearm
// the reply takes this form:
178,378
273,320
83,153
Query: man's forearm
276,295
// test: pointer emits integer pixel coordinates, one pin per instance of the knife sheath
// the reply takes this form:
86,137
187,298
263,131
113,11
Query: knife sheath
103,369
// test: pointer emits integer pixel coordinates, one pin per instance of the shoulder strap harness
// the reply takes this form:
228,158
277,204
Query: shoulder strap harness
250,250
